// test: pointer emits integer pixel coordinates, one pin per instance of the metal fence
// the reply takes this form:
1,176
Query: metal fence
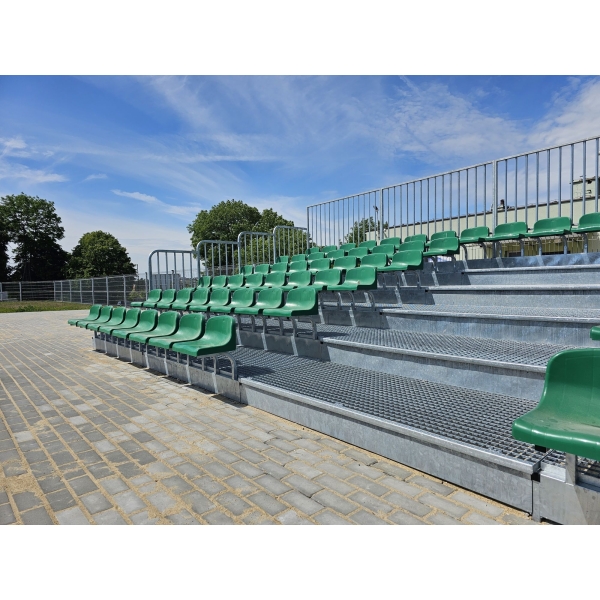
560,180
116,290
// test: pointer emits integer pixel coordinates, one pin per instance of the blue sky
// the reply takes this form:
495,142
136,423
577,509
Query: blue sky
139,156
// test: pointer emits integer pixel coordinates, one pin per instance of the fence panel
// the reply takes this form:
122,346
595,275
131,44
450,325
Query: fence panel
173,269
217,257
288,240
254,247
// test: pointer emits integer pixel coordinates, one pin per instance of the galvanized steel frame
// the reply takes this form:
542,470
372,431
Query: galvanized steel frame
174,282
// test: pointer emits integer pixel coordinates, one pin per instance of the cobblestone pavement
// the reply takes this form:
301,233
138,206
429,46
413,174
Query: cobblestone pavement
85,438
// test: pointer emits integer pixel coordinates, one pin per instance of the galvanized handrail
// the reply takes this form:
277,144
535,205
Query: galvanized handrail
242,239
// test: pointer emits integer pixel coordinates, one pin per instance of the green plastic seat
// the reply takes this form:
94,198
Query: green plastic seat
417,237
218,297
235,282
374,260
204,282
154,296
103,317
326,249
550,227
361,278
413,245
475,235
313,250
243,297
219,336
320,265
267,298
262,268
387,249
567,417
275,280
220,281
315,256
299,302
370,244
334,254
326,278
256,280
406,260
297,257
92,316
595,333
148,321
347,247
168,323
396,241
299,265
281,267
199,300
297,279
168,296
359,252
191,328
116,318
183,298
440,235
247,270
132,318
346,262
446,246
283,259
508,231
587,223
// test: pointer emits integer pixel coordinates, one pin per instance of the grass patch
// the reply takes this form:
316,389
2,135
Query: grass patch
12,306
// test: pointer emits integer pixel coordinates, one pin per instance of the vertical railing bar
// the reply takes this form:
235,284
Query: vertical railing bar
583,177
516,189
537,186
548,184
527,189
572,177
596,182
495,194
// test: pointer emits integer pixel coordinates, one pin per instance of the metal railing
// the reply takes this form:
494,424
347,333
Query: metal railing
217,257
254,247
289,240
176,274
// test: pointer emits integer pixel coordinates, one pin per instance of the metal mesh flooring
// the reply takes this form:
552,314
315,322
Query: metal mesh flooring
480,419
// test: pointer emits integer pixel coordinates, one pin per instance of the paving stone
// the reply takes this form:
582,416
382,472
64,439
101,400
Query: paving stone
478,504
335,470
370,502
199,503
37,516
442,519
400,486
282,445
240,485
176,484
274,469
72,516
268,503
302,503
330,518
83,485
512,519
183,518
109,517
60,500
247,469
273,485
128,502
96,503
209,485
454,510
477,519
217,469
362,469
333,501
232,503
408,504
367,484
26,500
6,515
3,497
365,518
104,446
290,517
218,518
189,470
114,485
306,486
304,469
251,456
335,484
359,456
143,518
434,486
162,501
402,518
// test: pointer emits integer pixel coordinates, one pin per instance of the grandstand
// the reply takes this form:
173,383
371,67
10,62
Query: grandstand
467,353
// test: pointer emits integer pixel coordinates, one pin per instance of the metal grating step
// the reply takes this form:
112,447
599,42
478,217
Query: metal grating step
481,420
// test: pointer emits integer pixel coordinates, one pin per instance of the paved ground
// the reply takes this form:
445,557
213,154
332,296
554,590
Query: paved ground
85,438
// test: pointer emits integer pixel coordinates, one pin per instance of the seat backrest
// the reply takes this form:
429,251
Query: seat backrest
168,296
281,267
333,254
154,295
552,223
347,247
475,232
94,311
270,298
321,264
262,268
132,317
358,252
416,245
275,279
255,280
374,260
105,312
368,244
313,250
408,257
118,314
327,249
418,237
236,280
284,258
590,219
442,234
511,228
247,270
297,257
315,256
571,385
191,324
148,318
346,262
219,281
200,296
243,297
299,265
361,275
396,241
444,244
169,320
304,298
384,249
204,281
329,277
221,330
219,296
184,295
300,278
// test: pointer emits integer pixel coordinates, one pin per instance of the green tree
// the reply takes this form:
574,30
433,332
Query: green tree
99,254
34,228
365,229
4,239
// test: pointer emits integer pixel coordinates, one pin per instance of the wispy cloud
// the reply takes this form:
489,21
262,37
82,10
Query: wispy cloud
96,176
22,172
184,211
